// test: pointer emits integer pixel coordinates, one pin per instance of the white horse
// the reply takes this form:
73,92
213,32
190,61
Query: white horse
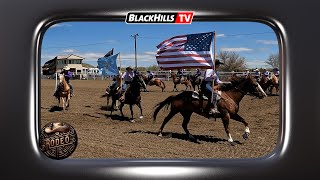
64,93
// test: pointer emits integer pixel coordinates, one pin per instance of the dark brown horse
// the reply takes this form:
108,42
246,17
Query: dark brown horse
195,81
185,103
184,81
132,96
154,81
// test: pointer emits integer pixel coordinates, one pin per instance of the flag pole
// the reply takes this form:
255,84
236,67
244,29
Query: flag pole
56,82
214,61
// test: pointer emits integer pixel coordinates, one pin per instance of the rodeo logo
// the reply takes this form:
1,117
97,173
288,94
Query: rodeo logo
58,140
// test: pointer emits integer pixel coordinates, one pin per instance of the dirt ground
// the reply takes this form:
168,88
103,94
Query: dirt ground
103,136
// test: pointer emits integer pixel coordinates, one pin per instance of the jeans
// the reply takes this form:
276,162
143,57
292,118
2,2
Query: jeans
125,86
209,90
71,88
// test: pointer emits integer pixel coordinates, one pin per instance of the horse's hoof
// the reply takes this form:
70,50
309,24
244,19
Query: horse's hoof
141,117
245,136
132,121
233,143
160,134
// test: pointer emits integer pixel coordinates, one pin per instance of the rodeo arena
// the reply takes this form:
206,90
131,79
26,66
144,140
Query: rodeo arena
164,113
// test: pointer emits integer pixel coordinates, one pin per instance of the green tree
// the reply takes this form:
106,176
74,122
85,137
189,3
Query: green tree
232,61
273,60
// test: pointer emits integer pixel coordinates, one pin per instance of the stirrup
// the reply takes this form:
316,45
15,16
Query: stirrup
213,111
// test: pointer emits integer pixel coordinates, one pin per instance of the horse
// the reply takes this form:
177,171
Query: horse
132,96
274,84
195,81
268,84
154,81
265,83
186,103
64,93
112,91
176,81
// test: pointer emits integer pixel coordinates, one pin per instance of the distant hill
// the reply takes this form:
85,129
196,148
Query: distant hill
87,65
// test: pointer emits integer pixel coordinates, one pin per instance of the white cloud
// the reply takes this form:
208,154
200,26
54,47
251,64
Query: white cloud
256,64
220,35
268,42
150,53
241,49
68,51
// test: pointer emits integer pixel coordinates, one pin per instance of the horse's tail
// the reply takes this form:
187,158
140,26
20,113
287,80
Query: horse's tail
160,105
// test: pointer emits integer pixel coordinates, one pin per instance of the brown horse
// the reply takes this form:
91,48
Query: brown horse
265,83
176,81
185,103
154,81
268,84
274,84
64,93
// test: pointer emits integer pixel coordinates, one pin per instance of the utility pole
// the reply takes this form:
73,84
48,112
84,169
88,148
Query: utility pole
135,49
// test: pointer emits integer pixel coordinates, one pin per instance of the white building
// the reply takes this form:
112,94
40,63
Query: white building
56,65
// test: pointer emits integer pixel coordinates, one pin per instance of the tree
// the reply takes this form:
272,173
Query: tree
273,60
232,61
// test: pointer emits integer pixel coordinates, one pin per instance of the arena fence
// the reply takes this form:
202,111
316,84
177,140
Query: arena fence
163,75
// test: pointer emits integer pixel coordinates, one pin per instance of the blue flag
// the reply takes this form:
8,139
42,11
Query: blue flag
108,65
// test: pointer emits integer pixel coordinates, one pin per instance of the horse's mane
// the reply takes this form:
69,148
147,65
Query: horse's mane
234,81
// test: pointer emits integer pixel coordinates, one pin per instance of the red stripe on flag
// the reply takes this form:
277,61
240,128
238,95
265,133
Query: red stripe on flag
169,40
185,55
184,62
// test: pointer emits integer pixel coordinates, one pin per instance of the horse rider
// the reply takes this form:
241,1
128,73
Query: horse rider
257,74
198,73
179,74
247,73
211,76
67,75
150,75
266,73
116,82
276,72
127,77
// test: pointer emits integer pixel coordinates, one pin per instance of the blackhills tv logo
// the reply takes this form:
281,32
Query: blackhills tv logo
182,17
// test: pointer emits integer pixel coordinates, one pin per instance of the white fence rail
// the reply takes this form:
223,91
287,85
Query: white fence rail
163,75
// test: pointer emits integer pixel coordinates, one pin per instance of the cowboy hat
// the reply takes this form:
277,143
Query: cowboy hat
57,127
256,69
66,68
129,67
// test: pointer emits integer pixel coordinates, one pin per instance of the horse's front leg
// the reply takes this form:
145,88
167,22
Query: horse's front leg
139,105
131,110
121,107
63,105
108,97
68,101
246,130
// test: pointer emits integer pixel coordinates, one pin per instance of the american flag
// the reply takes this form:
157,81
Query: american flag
186,51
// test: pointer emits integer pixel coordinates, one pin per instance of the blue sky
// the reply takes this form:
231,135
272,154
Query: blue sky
91,40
